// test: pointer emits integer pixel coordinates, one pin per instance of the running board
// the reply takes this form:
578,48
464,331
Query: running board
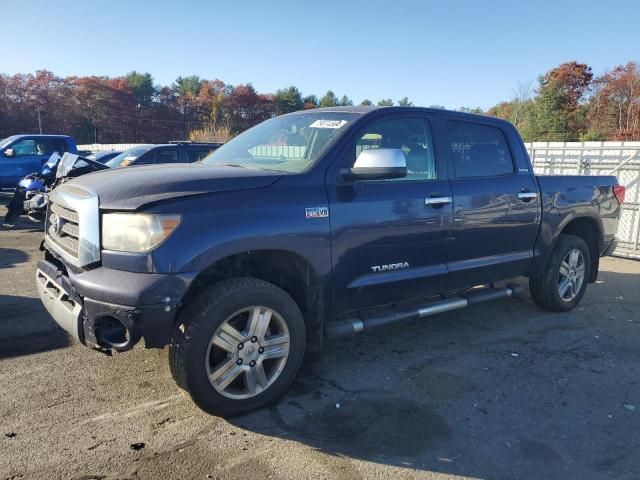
343,328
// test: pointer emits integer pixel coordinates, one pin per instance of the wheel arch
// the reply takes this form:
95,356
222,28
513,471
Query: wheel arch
590,230
288,270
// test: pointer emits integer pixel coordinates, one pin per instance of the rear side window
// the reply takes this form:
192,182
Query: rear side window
478,150
167,156
46,146
197,155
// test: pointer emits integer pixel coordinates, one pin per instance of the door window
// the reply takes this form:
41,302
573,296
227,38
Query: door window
197,155
46,146
411,135
478,150
167,156
24,148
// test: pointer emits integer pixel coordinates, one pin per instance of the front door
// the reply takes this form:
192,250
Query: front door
389,236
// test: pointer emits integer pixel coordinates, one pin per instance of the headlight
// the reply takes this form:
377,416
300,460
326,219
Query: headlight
136,232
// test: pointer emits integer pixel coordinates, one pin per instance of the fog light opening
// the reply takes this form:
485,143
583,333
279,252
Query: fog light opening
111,332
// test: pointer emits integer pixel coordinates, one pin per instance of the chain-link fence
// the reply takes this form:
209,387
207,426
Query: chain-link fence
621,159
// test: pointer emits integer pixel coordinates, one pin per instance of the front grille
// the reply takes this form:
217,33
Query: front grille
62,229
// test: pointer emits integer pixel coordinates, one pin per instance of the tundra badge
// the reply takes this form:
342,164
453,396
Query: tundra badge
390,266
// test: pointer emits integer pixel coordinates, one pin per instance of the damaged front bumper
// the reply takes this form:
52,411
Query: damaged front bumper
109,309
35,203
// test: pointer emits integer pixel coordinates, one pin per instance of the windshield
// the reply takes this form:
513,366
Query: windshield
126,157
291,143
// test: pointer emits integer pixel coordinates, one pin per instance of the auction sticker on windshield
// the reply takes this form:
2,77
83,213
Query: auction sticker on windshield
328,124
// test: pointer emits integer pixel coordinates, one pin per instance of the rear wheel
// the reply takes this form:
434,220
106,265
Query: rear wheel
239,346
561,287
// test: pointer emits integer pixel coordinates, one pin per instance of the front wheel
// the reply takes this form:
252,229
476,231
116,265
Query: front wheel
238,347
561,287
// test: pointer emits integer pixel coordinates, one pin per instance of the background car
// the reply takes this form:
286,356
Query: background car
24,154
103,157
178,152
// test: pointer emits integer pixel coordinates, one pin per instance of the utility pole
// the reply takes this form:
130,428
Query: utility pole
39,120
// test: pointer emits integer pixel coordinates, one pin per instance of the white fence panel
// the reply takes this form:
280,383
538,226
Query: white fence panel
101,147
621,159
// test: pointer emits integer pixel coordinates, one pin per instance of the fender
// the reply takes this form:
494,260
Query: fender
548,237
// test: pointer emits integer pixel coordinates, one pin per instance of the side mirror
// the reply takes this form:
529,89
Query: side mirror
9,152
379,164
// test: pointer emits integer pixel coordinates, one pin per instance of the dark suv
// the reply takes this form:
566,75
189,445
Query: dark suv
174,152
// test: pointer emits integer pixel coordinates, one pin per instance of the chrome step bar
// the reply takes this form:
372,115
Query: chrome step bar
349,326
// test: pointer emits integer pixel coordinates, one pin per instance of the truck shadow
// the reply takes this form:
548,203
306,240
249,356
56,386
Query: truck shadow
10,257
503,390
26,328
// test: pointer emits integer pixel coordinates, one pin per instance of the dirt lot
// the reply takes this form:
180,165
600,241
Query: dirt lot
502,390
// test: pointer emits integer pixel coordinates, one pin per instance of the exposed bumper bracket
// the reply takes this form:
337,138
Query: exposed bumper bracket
60,304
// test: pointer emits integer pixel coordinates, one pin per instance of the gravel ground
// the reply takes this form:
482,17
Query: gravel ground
501,390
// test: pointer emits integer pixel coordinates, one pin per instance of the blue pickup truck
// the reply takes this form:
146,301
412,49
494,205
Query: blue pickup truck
310,225
23,154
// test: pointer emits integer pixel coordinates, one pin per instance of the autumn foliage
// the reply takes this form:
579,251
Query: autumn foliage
126,109
569,103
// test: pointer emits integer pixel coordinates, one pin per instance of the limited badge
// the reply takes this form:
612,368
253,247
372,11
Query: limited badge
316,212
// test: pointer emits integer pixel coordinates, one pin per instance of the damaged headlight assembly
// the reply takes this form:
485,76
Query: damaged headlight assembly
136,232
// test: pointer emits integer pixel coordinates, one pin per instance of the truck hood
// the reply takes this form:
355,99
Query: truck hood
130,188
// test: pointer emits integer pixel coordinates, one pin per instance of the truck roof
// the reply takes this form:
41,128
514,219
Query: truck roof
44,135
362,110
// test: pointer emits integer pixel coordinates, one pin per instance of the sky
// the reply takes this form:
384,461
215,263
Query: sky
448,52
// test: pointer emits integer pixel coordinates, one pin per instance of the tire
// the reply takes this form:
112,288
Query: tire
546,289
223,308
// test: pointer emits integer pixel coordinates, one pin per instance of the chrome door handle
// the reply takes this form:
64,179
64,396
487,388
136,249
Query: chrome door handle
527,195
431,201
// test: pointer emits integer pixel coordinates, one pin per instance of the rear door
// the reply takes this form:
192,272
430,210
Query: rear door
389,236
496,209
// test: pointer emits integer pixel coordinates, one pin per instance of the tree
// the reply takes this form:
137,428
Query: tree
142,86
213,101
310,101
328,99
345,101
247,107
615,107
366,103
522,104
288,100
404,102
558,104
437,107
385,102
476,111
187,86
520,111
186,89
551,117
572,79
